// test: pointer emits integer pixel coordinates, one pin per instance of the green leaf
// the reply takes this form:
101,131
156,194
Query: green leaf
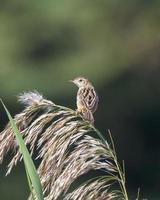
31,172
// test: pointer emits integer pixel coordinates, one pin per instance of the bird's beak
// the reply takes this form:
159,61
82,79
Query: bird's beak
72,81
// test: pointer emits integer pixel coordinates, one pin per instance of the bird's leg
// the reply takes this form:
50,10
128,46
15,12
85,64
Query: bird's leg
80,110
87,114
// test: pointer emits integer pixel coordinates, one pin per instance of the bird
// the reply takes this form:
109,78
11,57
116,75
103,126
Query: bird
87,98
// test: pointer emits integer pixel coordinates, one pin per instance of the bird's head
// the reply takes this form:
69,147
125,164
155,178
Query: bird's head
81,82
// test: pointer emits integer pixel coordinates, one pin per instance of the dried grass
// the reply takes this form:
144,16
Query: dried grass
67,151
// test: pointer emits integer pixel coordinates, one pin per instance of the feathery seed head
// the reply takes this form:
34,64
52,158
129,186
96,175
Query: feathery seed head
30,98
67,150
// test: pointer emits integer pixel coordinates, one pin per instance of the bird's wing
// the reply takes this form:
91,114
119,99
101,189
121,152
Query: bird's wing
88,98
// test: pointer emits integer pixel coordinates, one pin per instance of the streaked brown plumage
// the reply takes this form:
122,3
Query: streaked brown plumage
87,99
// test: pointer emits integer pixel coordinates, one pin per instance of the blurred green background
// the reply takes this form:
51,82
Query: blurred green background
116,44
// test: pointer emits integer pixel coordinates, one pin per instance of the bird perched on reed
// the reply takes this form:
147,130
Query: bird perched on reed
87,98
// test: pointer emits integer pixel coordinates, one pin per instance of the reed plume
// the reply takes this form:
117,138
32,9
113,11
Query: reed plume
67,150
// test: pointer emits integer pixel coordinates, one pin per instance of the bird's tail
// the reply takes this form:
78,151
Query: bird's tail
88,115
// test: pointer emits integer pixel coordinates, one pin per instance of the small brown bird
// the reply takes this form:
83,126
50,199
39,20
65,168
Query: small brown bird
87,98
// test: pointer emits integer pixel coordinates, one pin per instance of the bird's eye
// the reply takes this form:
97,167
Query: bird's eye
80,80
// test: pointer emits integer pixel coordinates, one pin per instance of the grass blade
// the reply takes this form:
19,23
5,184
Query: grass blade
29,165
